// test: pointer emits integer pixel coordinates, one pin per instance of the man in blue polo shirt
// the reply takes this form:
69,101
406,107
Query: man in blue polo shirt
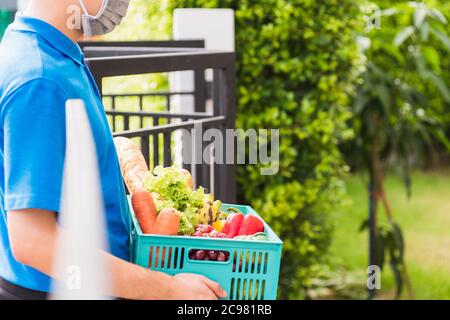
41,67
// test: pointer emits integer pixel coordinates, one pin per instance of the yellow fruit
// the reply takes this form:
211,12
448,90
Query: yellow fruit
218,225
215,208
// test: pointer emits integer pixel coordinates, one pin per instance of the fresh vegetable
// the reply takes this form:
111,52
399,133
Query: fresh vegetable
218,225
188,177
207,231
168,222
145,211
222,215
204,228
251,225
132,163
233,224
174,191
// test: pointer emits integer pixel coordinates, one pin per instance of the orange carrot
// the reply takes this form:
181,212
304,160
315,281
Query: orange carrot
145,211
168,222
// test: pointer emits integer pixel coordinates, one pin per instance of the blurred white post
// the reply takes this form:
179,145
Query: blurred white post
22,4
80,268
216,27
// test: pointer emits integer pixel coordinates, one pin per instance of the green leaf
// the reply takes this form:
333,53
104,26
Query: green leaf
440,84
403,35
425,31
397,236
432,57
384,96
388,12
364,225
439,15
440,135
442,37
419,16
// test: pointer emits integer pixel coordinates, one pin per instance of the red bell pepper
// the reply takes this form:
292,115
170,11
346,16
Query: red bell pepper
233,224
251,225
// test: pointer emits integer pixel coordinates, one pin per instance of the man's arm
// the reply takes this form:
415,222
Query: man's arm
33,236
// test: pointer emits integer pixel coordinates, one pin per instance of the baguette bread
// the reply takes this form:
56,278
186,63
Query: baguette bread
132,163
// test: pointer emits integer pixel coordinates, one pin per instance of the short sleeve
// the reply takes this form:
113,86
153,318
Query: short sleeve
34,146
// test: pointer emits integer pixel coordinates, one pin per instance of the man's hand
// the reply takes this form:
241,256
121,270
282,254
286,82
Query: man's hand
195,287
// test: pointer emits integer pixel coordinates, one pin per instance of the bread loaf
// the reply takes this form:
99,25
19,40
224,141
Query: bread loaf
132,163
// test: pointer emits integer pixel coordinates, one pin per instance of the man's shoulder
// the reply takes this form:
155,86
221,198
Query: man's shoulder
24,59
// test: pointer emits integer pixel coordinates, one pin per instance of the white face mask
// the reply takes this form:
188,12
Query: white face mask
107,19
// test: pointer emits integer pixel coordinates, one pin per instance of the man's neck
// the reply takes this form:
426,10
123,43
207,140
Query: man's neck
56,16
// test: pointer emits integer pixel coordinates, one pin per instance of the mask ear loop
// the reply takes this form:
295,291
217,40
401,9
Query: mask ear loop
83,7
100,12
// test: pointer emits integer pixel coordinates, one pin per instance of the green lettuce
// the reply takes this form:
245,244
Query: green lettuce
174,192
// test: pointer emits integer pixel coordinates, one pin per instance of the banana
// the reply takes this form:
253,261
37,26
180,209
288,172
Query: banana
215,210
205,213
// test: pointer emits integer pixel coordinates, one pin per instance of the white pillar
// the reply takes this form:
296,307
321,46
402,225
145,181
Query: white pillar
217,28
22,4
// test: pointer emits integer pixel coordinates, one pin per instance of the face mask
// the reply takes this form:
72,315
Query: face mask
107,19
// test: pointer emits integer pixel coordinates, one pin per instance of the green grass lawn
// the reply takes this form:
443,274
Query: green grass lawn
425,219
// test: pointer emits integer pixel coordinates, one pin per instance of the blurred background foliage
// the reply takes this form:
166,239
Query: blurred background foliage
399,113
316,71
295,72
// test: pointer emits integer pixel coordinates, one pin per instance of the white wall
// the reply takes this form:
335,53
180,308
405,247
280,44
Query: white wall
22,4
217,28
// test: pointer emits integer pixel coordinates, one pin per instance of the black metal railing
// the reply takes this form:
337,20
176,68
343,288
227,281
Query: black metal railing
158,133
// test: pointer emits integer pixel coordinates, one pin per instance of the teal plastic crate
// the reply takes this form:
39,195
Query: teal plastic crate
250,273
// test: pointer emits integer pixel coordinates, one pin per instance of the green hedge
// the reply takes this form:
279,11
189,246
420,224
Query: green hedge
296,62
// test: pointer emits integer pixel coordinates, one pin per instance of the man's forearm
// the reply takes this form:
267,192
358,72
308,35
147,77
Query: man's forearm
134,282
36,247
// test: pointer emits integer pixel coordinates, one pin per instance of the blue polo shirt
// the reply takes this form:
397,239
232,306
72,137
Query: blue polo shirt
40,68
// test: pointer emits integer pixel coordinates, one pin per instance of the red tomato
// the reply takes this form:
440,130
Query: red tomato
251,225
233,224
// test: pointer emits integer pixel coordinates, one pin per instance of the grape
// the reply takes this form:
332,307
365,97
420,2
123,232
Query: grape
192,254
221,257
213,255
200,255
